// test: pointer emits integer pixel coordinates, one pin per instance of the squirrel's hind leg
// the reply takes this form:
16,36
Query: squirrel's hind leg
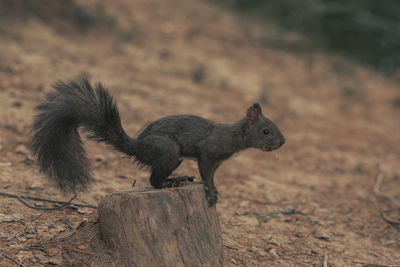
161,170
163,156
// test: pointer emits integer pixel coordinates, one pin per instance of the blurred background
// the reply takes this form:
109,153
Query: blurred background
365,31
327,72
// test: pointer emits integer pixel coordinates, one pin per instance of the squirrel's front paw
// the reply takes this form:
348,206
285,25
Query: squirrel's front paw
212,197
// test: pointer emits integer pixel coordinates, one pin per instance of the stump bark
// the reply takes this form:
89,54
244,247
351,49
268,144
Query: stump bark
168,227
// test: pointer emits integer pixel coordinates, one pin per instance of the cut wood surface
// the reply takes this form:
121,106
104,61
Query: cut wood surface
168,227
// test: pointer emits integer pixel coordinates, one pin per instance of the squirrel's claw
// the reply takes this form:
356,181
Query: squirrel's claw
212,196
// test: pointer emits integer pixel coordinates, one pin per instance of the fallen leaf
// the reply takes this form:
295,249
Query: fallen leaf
84,246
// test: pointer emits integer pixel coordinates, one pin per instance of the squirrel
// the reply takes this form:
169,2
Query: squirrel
161,145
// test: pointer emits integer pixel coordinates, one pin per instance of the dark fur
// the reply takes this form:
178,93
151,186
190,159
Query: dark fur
161,145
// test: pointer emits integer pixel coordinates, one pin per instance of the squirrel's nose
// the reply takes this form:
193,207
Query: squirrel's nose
283,140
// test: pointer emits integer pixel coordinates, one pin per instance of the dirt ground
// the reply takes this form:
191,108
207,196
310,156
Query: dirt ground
309,202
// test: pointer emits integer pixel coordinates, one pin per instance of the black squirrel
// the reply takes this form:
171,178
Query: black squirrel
161,145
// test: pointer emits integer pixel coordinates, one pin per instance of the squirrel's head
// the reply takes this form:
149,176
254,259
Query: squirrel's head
260,132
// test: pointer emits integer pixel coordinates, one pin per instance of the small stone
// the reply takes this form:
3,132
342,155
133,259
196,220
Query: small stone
52,251
254,249
273,252
22,150
5,164
36,185
262,253
244,203
319,234
39,204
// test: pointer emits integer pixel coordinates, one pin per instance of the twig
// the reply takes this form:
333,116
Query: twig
387,219
47,200
44,208
11,259
325,263
230,247
379,182
377,191
366,264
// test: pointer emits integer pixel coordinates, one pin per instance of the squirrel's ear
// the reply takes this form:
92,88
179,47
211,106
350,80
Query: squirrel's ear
254,112
257,107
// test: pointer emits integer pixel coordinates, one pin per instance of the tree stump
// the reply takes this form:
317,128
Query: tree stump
168,227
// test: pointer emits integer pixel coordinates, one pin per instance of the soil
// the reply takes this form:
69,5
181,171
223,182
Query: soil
308,203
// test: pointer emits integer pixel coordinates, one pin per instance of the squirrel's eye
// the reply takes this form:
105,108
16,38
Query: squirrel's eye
265,131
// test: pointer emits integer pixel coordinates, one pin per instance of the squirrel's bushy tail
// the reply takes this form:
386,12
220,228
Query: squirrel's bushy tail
56,142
